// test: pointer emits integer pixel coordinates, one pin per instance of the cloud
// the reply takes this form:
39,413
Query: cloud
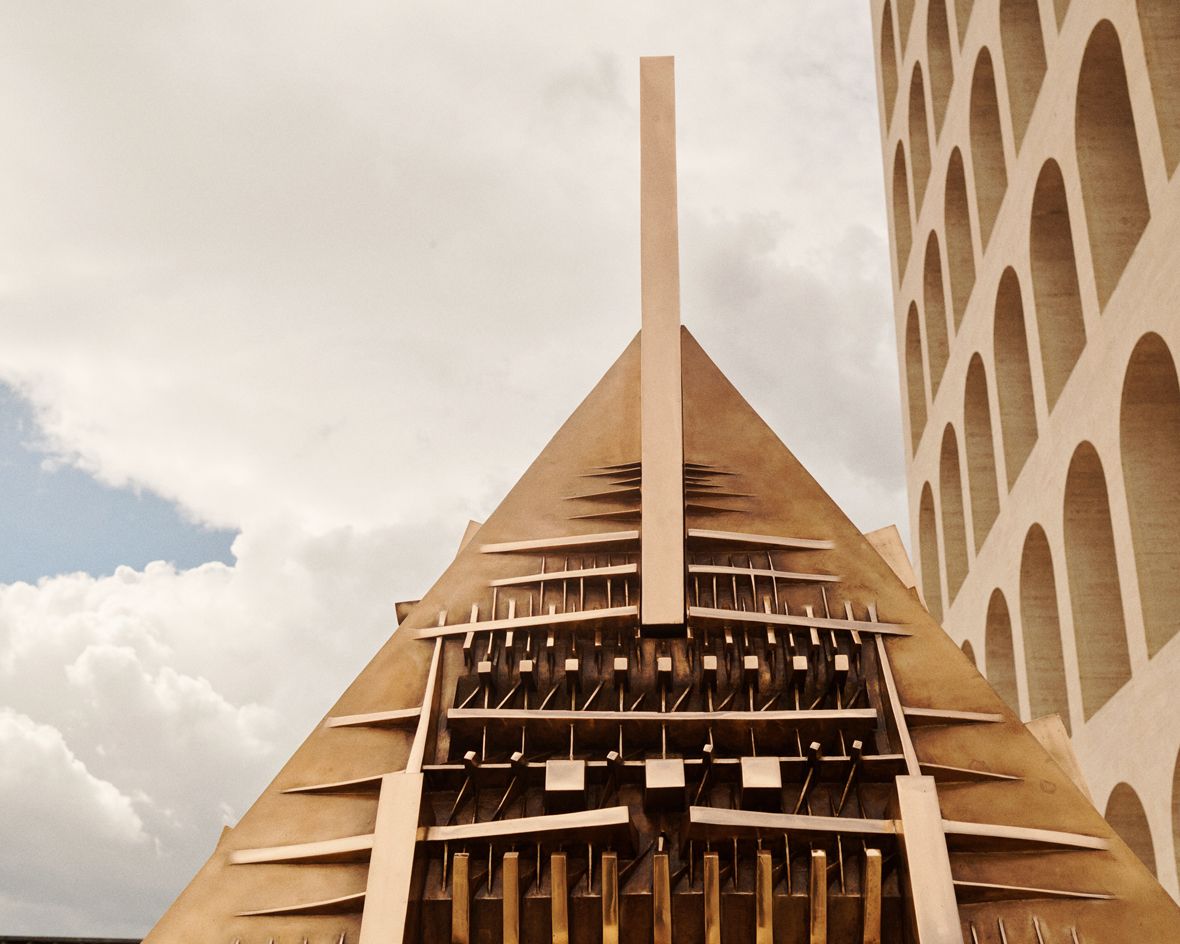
62,822
809,375
251,259
147,709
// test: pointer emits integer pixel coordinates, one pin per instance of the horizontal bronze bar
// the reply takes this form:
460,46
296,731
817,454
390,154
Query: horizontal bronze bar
568,542
703,536
707,823
756,618
614,616
611,825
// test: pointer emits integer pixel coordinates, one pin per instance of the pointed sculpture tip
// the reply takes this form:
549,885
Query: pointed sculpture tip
657,68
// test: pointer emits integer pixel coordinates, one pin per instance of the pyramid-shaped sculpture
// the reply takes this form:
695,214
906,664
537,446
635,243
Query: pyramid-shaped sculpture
669,692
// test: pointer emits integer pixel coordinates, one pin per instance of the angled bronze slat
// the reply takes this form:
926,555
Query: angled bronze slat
564,543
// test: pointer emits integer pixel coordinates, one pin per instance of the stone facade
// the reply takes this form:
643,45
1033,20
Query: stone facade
1030,149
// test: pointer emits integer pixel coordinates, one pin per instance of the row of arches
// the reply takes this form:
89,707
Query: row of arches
1057,303
939,50
1024,59
1102,654
1013,379
1115,203
1149,430
914,164
1017,423
927,339
1110,170
1124,810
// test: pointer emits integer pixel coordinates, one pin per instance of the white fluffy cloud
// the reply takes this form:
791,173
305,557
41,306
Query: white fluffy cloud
270,246
165,700
332,278
63,822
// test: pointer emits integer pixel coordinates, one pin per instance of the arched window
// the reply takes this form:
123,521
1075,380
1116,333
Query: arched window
1176,812
915,377
1055,281
905,15
969,652
919,139
1125,813
954,532
1159,22
1108,160
1024,59
1039,620
981,454
960,248
928,551
941,62
934,301
1149,432
1001,659
987,145
1104,663
963,16
888,63
1018,418
901,211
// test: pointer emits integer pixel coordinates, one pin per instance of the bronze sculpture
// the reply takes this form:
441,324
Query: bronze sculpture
669,692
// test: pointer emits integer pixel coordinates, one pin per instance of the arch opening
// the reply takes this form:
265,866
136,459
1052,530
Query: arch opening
905,16
960,247
1125,813
901,211
981,454
1149,435
1108,160
941,61
1104,663
928,554
963,17
934,303
1176,812
1018,418
915,373
1024,59
1060,323
888,63
954,531
1159,22
919,138
1043,659
987,145
999,656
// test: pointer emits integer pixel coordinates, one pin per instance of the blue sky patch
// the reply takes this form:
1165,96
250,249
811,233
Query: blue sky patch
63,520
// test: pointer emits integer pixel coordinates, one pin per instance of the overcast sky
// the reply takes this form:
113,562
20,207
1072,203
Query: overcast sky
320,281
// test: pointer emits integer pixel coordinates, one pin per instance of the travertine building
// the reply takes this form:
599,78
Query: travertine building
1030,153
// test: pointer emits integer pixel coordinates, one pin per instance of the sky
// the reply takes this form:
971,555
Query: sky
290,292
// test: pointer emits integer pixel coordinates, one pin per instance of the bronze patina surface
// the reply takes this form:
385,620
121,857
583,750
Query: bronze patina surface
727,720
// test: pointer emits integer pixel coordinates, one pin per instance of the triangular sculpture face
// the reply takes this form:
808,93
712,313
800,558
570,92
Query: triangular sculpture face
1023,842
804,756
